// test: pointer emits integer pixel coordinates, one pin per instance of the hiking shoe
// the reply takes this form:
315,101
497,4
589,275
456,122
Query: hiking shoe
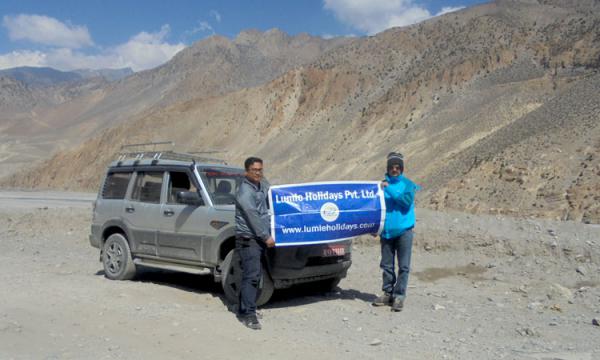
385,299
250,321
398,305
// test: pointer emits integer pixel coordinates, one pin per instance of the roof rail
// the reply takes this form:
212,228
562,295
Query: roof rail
154,146
153,151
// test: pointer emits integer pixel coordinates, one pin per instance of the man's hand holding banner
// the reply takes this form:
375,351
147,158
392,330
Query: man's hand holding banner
325,212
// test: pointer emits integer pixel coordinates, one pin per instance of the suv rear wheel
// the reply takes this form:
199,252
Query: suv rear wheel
231,279
116,258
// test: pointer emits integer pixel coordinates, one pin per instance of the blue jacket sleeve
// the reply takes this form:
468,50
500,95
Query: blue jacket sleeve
403,196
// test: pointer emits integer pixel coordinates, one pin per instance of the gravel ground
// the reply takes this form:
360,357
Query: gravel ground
481,287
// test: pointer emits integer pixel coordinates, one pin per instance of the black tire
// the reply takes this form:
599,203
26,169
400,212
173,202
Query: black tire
329,285
265,288
231,278
116,258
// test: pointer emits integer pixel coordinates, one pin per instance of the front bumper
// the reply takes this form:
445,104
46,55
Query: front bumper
307,263
286,277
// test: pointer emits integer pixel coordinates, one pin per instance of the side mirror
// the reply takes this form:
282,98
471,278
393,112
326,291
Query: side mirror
189,198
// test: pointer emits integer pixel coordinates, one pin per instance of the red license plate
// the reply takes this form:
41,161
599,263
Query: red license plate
334,250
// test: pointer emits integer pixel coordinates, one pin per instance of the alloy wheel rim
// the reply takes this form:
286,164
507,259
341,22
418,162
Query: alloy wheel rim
114,258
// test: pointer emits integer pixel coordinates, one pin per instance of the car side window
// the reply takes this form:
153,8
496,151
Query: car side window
221,184
115,185
223,192
179,181
147,187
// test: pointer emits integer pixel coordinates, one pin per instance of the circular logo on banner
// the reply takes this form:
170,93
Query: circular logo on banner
330,212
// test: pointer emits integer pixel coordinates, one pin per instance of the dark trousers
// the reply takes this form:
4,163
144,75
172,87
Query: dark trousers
400,247
251,253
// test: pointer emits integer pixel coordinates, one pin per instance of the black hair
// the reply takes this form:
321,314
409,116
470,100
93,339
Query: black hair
251,160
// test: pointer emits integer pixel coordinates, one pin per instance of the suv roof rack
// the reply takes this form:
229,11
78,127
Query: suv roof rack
159,151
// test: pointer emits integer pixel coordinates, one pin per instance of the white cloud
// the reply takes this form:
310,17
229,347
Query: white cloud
47,31
328,36
405,17
22,58
142,51
205,26
216,15
147,50
373,16
202,27
449,9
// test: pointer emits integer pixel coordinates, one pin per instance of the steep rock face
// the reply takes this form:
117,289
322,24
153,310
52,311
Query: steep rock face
543,162
495,108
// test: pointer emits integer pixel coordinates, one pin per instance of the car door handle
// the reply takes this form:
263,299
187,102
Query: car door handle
130,209
169,212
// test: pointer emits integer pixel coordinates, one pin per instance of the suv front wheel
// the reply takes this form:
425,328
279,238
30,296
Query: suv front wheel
231,279
116,258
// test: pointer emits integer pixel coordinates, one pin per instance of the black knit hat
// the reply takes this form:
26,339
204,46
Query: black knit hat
395,158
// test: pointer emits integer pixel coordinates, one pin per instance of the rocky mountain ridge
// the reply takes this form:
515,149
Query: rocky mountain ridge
495,108
49,77
35,123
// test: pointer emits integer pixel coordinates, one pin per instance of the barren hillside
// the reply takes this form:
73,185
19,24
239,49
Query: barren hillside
496,109
38,122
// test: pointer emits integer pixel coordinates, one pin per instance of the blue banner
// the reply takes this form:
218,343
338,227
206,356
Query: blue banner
325,212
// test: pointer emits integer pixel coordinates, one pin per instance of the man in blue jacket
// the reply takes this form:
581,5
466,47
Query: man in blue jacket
397,235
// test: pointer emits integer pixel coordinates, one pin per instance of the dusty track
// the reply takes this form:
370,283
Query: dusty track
487,287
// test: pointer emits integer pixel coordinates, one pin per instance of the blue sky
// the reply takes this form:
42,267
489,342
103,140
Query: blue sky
72,34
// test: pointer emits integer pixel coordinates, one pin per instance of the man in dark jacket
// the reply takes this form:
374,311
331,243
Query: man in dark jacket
252,222
397,234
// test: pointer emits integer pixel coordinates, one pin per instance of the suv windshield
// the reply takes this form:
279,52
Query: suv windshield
221,183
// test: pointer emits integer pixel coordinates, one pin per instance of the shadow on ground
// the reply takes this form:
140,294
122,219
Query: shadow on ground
178,280
297,295
304,294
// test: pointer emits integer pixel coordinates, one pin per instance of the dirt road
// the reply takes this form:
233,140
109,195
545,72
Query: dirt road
482,287
48,199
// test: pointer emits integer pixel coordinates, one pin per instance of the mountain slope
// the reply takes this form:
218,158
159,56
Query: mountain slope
40,76
477,100
32,119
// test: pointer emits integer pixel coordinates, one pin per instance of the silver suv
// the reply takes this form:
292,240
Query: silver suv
176,212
